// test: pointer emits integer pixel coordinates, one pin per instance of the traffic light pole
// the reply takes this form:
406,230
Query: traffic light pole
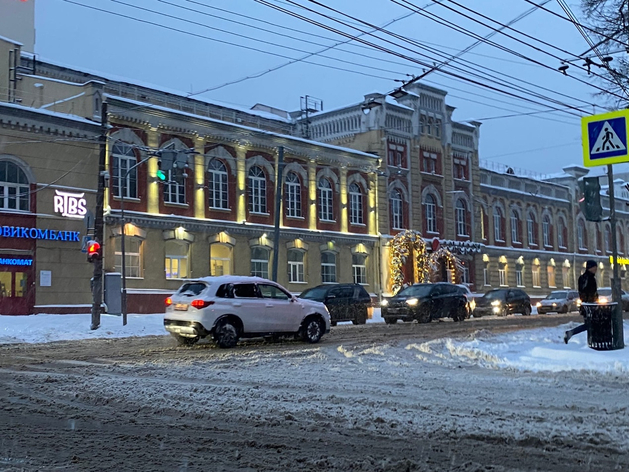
617,322
97,278
278,208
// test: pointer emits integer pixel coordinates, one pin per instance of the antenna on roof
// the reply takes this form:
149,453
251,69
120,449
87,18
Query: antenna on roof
308,105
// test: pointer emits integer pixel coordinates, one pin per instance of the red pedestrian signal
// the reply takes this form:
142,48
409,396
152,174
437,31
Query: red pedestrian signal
94,251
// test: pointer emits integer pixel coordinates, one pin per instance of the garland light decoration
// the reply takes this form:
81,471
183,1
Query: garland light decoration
408,243
451,264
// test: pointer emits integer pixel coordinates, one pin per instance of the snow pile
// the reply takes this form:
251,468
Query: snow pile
530,350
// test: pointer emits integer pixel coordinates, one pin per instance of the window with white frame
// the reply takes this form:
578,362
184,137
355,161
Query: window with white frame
502,275
535,273
133,256
430,162
176,263
460,166
217,185
123,179
14,187
359,268
175,188
546,231
581,235
296,266
498,235
551,277
355,204
328,267
486,275
260,262
515,227
257,190
326,202
293,195
220,259
531,226
430,210
397,210
565,275
465,275
461,218
519,276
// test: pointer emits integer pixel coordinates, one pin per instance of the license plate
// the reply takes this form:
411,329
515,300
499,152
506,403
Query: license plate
181,306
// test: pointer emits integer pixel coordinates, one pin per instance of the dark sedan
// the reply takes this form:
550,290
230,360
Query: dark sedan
345,302
426,302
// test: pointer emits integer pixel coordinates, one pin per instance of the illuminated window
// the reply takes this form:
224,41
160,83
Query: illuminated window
536,277
220,259
176,264
551,277
355,205
133,256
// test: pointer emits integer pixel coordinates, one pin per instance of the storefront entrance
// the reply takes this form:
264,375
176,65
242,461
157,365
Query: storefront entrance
17,291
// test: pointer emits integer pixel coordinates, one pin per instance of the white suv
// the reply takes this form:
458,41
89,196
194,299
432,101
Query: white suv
231,307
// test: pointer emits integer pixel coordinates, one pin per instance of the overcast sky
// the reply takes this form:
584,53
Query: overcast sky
194,55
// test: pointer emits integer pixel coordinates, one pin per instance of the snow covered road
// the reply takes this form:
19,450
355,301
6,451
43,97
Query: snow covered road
367,402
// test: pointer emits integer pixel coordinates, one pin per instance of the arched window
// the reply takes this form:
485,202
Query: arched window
515,227
430,210
326,202
397,210
581,235
461,218
257,190
217,184
328,267
293,195
498,233
260,262
14,187
546,231
561,237
124,180
531,228
608,239
355,204
296,266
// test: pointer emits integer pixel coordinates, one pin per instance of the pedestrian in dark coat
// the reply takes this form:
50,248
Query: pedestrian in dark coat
588,292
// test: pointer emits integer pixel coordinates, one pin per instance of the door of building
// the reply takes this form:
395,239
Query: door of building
16,290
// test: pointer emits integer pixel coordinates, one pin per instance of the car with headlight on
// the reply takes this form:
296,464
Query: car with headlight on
230,307
503,302
426,302
605,296
559,301
471,303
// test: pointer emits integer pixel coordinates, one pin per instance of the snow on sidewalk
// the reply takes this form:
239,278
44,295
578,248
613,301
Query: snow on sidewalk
534,350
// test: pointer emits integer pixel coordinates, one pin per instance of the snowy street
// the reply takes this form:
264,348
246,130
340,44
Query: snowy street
406,397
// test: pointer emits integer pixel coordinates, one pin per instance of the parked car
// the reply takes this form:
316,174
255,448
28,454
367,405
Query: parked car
426,302
503,301
605,296
345,302
559,301
471,303
232,307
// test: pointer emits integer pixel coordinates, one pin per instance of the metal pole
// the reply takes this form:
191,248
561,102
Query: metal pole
97,278
616,297
278,207
123,302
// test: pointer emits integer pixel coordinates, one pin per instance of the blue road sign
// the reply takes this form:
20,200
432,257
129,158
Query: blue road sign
605,138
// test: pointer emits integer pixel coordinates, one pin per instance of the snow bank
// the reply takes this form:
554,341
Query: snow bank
530,350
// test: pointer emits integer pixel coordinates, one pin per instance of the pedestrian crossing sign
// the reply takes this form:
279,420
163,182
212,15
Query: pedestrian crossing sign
605,138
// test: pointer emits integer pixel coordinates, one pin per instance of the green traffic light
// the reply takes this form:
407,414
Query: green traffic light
161,175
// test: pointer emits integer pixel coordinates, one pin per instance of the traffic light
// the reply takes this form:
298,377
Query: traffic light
165,163
590,199
94,251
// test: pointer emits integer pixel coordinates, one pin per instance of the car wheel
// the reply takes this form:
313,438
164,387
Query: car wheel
185,341
424,317
564,309
390,320
504,312
361,318
311,330
526,311
461,313
226,335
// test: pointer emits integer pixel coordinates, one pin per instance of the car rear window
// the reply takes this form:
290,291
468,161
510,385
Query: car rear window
192,288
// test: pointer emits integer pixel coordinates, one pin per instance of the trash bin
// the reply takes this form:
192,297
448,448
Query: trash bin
599,321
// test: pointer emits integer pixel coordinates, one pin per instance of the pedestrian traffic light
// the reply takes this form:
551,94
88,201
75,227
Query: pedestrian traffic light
94,251
590,199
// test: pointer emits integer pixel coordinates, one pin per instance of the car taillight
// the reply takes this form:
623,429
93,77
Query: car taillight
168,301
201,303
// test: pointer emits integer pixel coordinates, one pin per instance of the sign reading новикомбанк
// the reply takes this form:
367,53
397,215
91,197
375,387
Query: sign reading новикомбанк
22,232
604,138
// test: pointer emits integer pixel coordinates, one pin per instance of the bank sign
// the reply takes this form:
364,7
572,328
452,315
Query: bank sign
21,232
71,205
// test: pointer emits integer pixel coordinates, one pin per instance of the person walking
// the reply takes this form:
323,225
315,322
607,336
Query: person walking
588,292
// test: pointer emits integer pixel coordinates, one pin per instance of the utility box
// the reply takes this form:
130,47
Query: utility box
113,293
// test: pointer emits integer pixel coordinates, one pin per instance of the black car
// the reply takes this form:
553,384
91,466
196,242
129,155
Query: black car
345,302
502,302
426,302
